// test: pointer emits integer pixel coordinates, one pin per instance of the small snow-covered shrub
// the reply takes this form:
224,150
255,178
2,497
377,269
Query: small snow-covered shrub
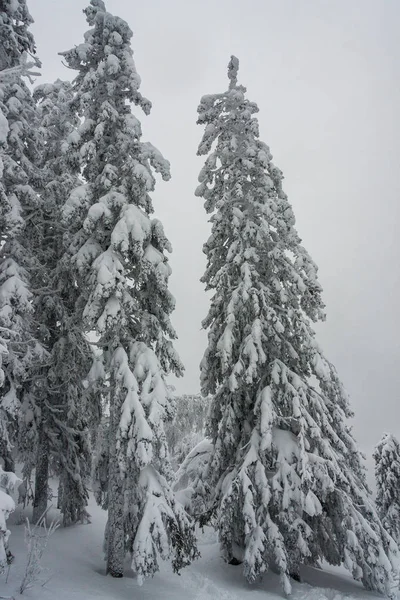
8,482
190,473
187,428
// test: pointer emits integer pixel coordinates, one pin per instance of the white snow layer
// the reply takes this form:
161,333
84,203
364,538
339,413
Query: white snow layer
74,570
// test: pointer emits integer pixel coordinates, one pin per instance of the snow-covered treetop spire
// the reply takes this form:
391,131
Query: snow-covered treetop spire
99,4
233,68
105,60
91,11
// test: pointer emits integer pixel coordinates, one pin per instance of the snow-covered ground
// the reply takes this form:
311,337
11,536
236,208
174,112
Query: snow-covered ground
74,568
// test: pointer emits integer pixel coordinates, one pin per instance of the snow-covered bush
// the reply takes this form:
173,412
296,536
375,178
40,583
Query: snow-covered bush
8,482
190,474
187,428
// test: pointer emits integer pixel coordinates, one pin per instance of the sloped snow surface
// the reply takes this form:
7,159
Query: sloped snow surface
74,570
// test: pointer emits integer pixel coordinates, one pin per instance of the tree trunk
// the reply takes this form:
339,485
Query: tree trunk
9,463
115,535
295,574
41,476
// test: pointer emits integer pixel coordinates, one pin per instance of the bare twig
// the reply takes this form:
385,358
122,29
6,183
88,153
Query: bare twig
37,538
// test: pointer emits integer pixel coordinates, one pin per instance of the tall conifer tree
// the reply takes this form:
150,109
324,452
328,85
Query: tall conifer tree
387,475
20,187
118,253
65,407
285,482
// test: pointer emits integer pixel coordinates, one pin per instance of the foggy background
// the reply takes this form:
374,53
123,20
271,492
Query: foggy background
325,76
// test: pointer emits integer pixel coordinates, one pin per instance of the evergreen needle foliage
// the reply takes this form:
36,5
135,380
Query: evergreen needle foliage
284,483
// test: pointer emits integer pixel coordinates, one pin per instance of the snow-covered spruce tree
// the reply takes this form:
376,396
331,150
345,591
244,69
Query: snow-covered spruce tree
34,187
122,272
285,483
20,184
387,475
63,410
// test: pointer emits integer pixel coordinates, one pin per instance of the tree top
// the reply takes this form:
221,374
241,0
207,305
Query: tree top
92,10
233,68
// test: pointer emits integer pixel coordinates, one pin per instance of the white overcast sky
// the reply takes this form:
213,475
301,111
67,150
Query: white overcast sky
326,78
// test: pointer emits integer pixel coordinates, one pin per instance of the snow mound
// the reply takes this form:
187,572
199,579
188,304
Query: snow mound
311,593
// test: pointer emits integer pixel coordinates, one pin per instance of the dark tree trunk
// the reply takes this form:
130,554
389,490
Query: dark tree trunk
295,575
115,535
41,476
235,562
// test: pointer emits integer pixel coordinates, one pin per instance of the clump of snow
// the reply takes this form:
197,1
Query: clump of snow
3,128
8,482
